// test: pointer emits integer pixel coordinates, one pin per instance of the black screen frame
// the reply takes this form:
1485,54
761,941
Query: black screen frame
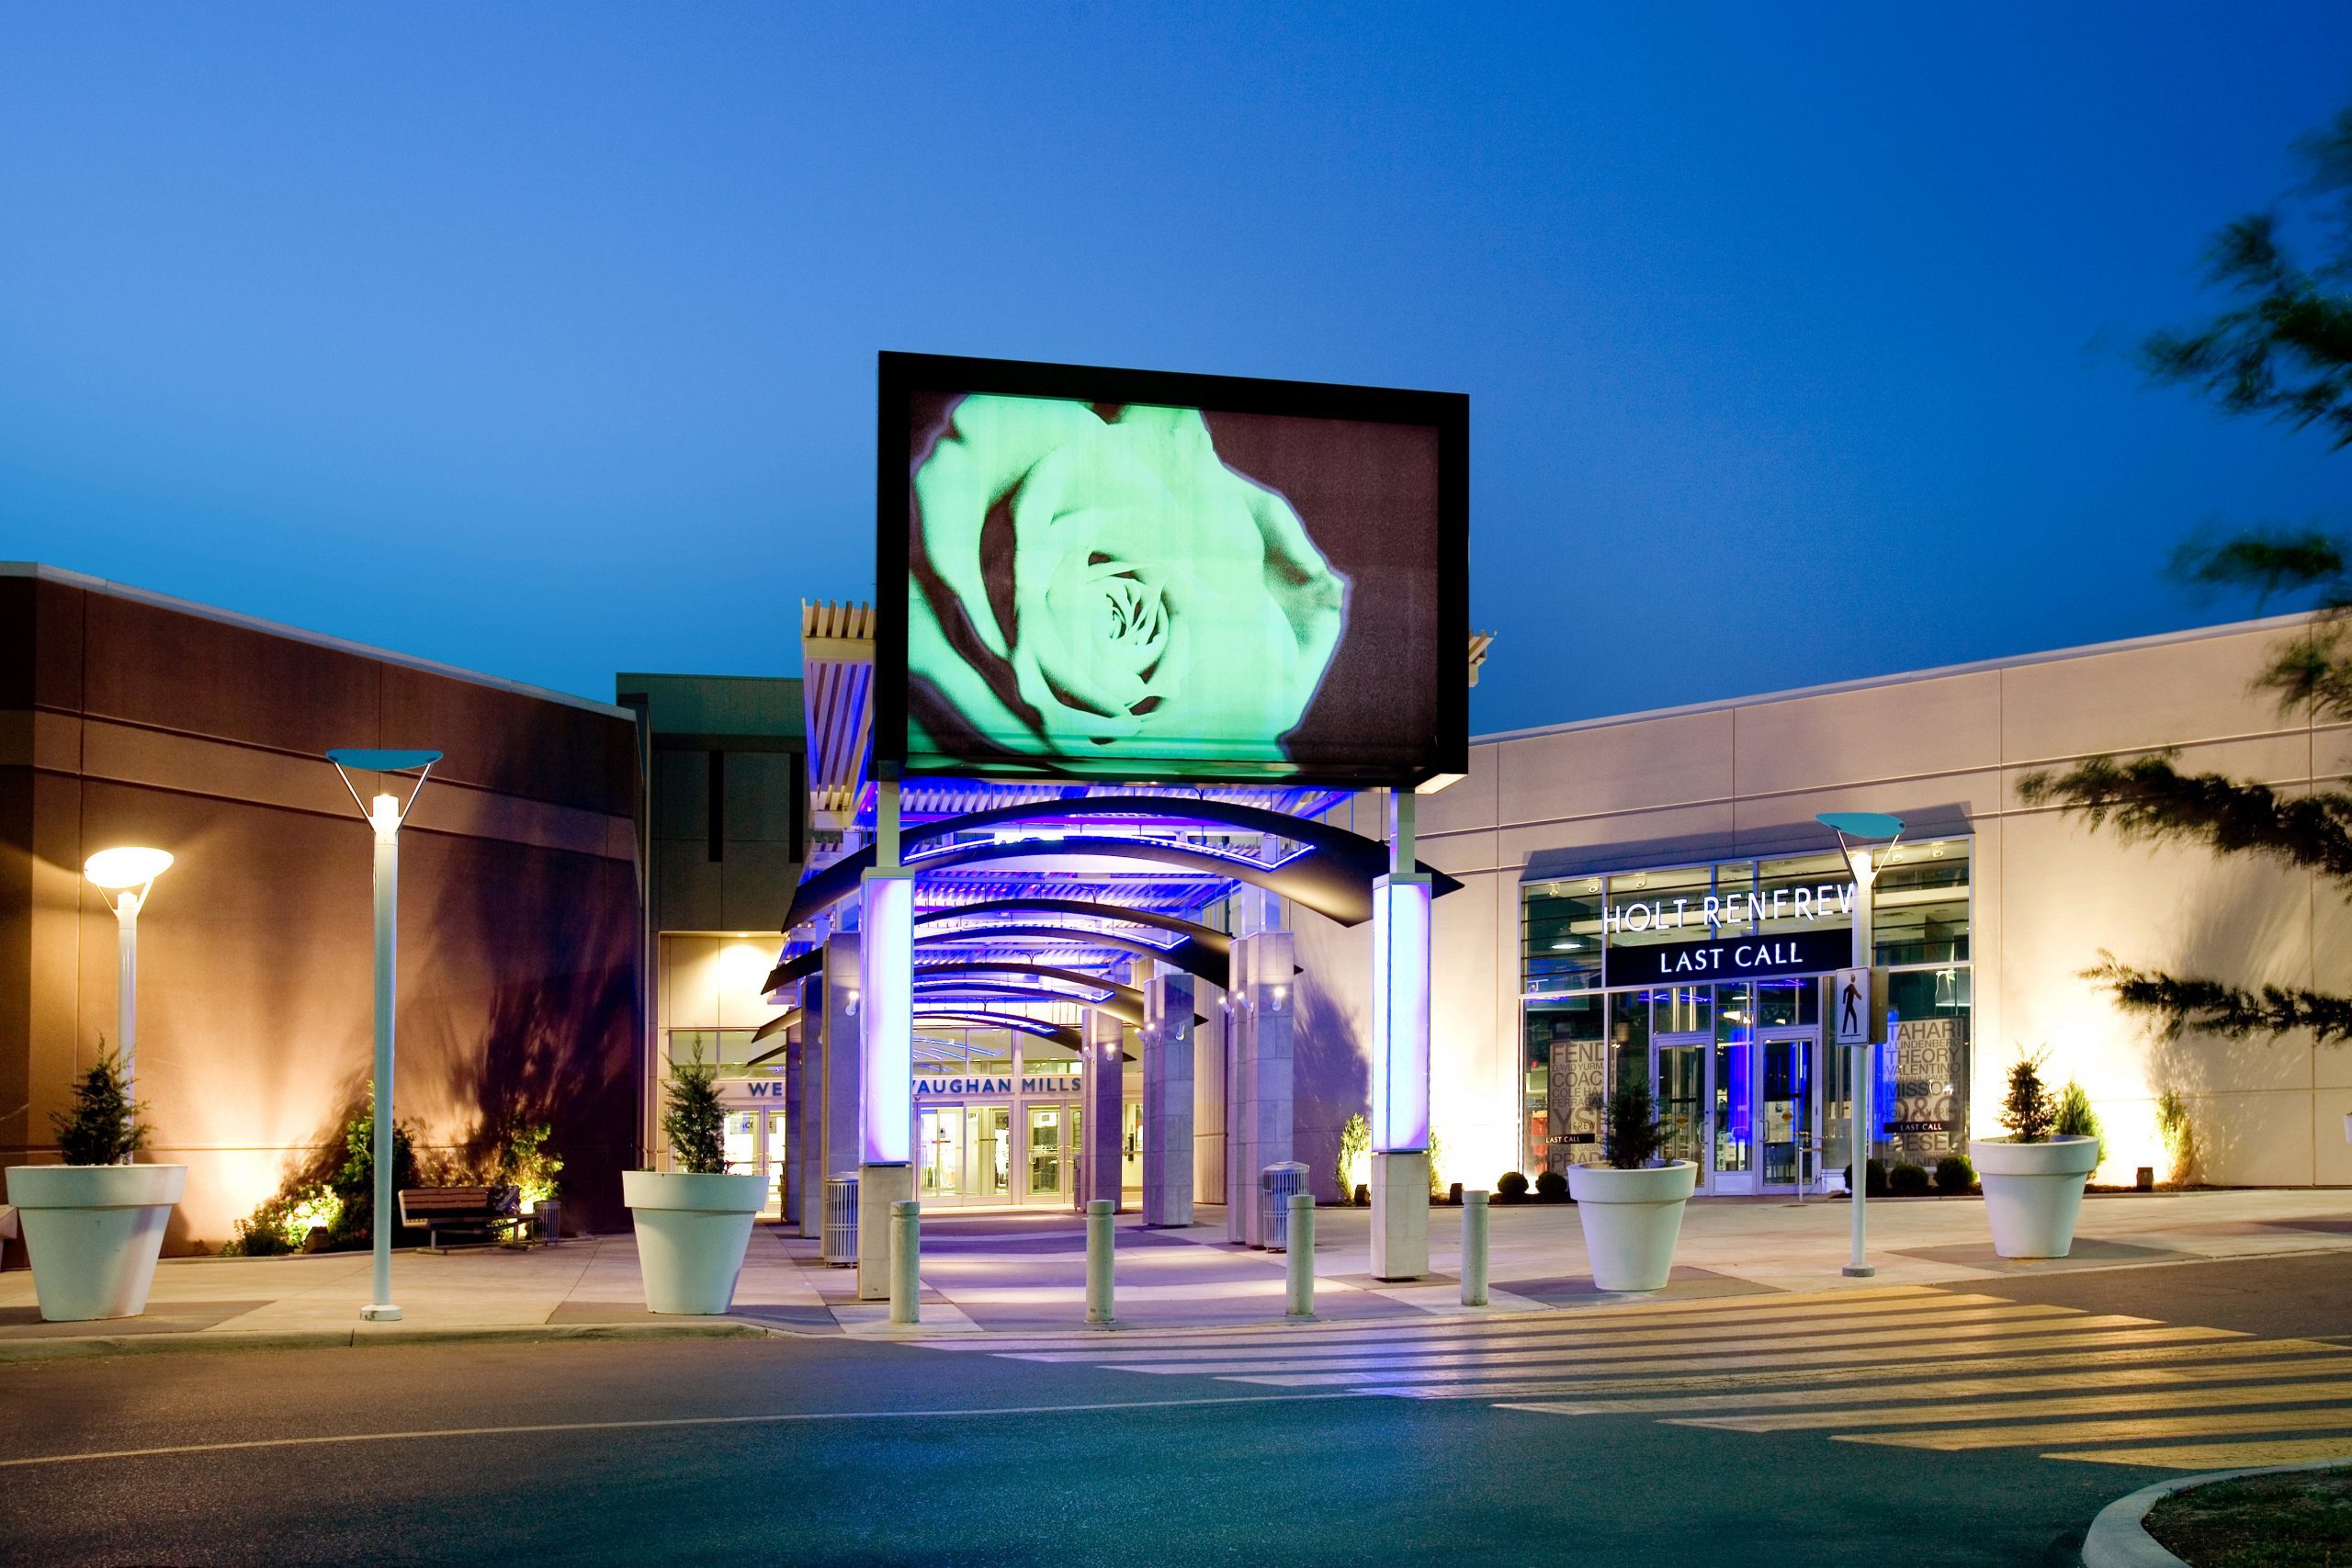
900,375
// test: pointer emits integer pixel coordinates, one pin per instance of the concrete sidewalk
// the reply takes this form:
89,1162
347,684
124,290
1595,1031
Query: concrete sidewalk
1022,1270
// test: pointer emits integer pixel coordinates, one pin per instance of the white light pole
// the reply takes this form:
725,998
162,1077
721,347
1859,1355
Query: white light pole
385,817
126,875
1857,830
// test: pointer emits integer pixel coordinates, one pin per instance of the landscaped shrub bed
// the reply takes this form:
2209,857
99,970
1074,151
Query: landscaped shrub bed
2300,1520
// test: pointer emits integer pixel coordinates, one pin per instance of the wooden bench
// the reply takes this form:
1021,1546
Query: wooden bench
482,1215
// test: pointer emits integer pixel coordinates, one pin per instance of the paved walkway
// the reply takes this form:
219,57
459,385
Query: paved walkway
1011,1272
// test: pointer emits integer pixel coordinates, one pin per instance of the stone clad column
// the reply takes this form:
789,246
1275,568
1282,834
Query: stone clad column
841,1148
1258,1088
790,1176
1104,1069
806,1136
1168,1098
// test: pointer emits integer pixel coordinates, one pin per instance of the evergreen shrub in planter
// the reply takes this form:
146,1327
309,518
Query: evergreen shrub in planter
693,1222
1631,1208
94,1226
2034,1179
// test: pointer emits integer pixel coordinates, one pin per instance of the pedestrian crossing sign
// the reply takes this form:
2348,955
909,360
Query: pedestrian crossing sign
1858,1006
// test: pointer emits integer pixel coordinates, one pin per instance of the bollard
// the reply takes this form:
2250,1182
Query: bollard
1098,1259
1299,1265
906,1261
1474,1249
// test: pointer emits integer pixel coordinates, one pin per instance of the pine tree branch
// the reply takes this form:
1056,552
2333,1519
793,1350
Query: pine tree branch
2146,799
2209,1007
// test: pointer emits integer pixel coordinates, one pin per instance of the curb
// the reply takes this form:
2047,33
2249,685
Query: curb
2119,1540
76,1347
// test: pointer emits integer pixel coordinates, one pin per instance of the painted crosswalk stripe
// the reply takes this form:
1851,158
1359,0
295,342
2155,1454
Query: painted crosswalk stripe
1968,1310
1393,1362
2216,1456
1892,1386
2142,1429
1810,1305
2148,1402
2157,1347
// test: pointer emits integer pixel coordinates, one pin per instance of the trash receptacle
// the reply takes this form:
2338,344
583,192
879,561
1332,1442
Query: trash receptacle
549,1212
840,1220
1275,1184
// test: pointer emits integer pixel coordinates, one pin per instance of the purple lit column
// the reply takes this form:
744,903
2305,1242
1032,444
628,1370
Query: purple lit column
886,1069
1401,1061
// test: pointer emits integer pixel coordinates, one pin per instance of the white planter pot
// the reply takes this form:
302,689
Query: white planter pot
691,1233
1630,1219
93,1233
2033,1191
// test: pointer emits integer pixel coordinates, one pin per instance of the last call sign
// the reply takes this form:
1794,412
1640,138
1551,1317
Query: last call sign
1723,956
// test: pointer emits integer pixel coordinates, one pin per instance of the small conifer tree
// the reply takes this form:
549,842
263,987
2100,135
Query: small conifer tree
694,1120
104,1127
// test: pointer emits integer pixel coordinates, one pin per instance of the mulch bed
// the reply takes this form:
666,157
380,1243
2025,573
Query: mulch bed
2301,1519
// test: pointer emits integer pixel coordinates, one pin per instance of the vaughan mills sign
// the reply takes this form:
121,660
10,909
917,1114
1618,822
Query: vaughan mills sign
1807,950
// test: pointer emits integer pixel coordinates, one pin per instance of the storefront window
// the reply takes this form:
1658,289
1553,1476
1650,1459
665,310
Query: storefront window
727,1049
1605,962
1560,938
1568,1068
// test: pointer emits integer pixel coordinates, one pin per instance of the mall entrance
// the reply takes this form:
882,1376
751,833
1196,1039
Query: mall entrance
1021,1150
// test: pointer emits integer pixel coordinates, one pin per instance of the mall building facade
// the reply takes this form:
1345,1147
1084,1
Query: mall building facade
1650,894
593,892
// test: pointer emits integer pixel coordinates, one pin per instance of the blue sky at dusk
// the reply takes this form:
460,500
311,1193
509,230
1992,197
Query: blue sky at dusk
540,339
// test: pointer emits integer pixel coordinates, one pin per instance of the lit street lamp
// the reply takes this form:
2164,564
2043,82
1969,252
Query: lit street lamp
126,875
1857,831
384,814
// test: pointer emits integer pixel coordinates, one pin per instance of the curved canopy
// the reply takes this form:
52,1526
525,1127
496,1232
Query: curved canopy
1207,960
945,986
1331,875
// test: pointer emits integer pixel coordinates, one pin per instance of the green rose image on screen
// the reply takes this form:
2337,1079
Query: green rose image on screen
1162,609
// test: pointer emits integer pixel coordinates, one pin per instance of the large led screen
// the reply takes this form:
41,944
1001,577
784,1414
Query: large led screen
1126,575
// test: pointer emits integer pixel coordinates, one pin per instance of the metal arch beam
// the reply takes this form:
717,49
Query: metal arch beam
1333,876
1185,955
1061,1035
948,989
1216,941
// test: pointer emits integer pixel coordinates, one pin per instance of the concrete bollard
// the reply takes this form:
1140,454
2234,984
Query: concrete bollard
1474,1249
1299,1265
1098,1259
906,1261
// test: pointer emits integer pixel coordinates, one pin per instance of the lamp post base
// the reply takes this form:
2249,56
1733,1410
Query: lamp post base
1858,1271
380,1313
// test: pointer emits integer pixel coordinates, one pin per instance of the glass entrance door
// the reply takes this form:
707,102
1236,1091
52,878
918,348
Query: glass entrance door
1789,1108
992,1154
1048,1153
1681,1067
939,1144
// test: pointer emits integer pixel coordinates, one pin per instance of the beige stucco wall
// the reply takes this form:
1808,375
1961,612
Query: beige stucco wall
1946,749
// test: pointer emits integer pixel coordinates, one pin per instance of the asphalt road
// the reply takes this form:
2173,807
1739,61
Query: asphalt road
840,1451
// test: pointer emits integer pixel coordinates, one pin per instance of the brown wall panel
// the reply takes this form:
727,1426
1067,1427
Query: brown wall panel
16,958
152,665
512,742
60,616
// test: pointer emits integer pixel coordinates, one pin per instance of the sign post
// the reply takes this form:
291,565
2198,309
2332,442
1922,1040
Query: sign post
1857,1003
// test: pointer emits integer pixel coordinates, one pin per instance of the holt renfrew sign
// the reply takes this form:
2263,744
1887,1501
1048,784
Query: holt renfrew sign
1808,949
